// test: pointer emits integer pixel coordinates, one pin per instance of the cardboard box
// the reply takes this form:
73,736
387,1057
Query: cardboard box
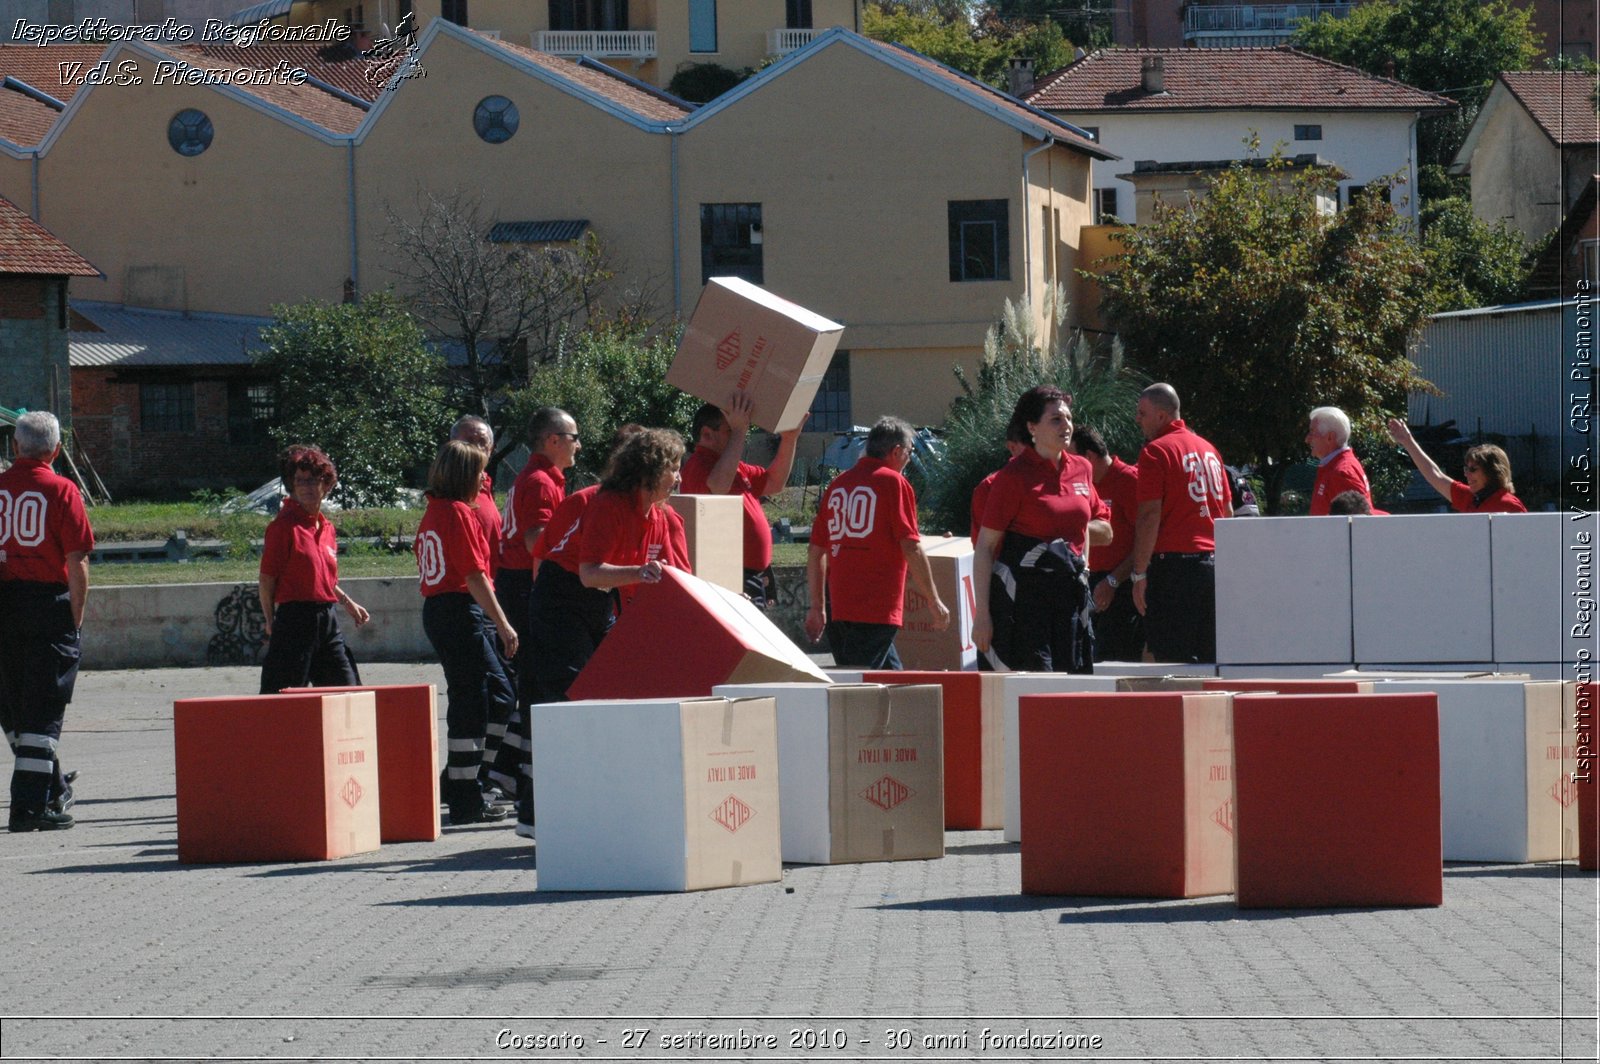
286,777
860,770
922,647
974,744
1259,620
742,337
1013,686
1152,668
1530,567
1161,683
1425,671
1534,670
1336,800
1291,686
1089,832
656,794
1289,672
1584,714
713,526
1506,757
1421,589
683,636
408,758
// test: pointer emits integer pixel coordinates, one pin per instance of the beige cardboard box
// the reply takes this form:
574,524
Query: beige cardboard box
1161,683
919,644
713,526
742,337
656,794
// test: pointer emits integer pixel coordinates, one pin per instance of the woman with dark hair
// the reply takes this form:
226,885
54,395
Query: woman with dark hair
1041,515
300,583
458,610
1488,489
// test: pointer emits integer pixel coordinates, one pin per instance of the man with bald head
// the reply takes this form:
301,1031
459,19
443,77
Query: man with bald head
1183,489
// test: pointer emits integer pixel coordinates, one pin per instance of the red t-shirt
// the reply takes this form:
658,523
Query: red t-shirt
42,520
980,499
1120,490
1185,474
489,520
1496,502
450,546
866,513
749,481
1335,478
302,552
538,490
614,532
1034,498
666,542
559,540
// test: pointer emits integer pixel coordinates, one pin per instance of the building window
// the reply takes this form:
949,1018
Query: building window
1589,252
189,132
797,14
354,19
830,410
1105,206
980,240
1307,132
166,407
702,25
453,11
1383,192
496,119
1092,132
251,406
730,241
589,14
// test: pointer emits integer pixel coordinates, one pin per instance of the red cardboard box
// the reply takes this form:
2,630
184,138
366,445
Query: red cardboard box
974,750
1336,800
1126,795
1588,792
287,777
1291,687
682,637
408,759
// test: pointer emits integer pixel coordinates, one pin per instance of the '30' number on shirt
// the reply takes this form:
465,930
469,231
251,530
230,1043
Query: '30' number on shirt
22,518
1205,477
430,558
851,513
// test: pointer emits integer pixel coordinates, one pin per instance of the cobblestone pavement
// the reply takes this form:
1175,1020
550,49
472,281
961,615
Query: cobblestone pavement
447,951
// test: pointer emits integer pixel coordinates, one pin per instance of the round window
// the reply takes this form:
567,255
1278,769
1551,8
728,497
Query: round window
189,132
495,119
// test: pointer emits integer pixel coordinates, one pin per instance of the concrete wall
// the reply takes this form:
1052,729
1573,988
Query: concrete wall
1516,172
33,346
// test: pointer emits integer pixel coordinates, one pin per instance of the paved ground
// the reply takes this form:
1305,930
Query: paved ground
111,950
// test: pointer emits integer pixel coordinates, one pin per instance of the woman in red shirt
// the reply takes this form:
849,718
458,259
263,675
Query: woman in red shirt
1038,521
1488,489
300,583
457,612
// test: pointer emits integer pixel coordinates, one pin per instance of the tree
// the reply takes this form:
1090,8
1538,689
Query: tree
1471,263
357,380
1257,308
1452,47
973,39
703,82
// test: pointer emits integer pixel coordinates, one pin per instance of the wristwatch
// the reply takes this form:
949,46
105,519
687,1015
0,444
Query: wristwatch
1112,581
1135,577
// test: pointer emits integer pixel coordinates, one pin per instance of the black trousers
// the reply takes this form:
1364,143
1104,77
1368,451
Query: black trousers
307,649
1046,588
474,678
39,657
512,588
1180,620
859,645
1119,630
566,622
761,587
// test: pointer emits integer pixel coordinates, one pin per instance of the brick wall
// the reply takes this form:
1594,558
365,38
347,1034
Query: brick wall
33,346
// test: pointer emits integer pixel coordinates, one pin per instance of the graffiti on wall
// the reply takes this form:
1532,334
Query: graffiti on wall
241,636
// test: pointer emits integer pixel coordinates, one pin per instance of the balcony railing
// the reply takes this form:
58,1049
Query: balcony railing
1256,21
602,44
782,42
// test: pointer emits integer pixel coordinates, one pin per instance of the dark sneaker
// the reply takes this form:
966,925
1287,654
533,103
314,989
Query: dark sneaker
39,820
66,798
484,814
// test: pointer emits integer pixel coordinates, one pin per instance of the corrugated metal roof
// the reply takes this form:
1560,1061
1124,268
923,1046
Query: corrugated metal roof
1501,308
162,338
537,232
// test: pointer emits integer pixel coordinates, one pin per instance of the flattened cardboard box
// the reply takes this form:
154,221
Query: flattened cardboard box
742,337
919,644
713,527
886,773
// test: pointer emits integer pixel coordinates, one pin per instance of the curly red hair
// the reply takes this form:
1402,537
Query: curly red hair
302,458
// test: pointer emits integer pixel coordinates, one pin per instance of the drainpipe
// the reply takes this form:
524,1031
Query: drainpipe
1416,193
355,256
677,226
1027,222
35,169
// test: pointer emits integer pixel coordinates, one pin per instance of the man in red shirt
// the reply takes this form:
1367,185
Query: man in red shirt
862,545
470,428
1338,468
45,541
1118,628
715,468
1183,489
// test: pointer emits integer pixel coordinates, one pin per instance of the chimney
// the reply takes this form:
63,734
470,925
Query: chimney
1388,69
1152,74
1021,74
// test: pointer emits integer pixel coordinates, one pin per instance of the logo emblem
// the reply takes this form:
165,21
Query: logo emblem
1564,791
350,792
732,814
915,603
728,350
1222,816
887,792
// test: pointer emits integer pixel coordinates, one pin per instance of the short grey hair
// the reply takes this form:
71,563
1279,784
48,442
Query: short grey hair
467,421
38,434
887,434
1162,396
1332,419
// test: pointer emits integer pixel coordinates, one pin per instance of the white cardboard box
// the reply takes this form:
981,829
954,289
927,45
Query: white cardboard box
1017,684
1259,619
1531,567
1421,589
1152,668
656,794
1283,672
1537,670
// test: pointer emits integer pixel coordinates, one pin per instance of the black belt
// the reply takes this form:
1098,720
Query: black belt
1167,555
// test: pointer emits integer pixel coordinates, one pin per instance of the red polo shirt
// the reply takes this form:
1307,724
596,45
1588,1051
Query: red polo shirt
42,520
302,552
1496,502
980,499
1032,497
1120,490
450,547
866,513
489,520
538,490
559,540
750,481
1185,473
614,532
1343,473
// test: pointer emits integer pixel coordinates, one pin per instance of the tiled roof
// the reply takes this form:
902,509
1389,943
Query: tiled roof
28,247
340,65
41,67
161,338
600,81
536,232
24,120
1562,102
307,101
1210,79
